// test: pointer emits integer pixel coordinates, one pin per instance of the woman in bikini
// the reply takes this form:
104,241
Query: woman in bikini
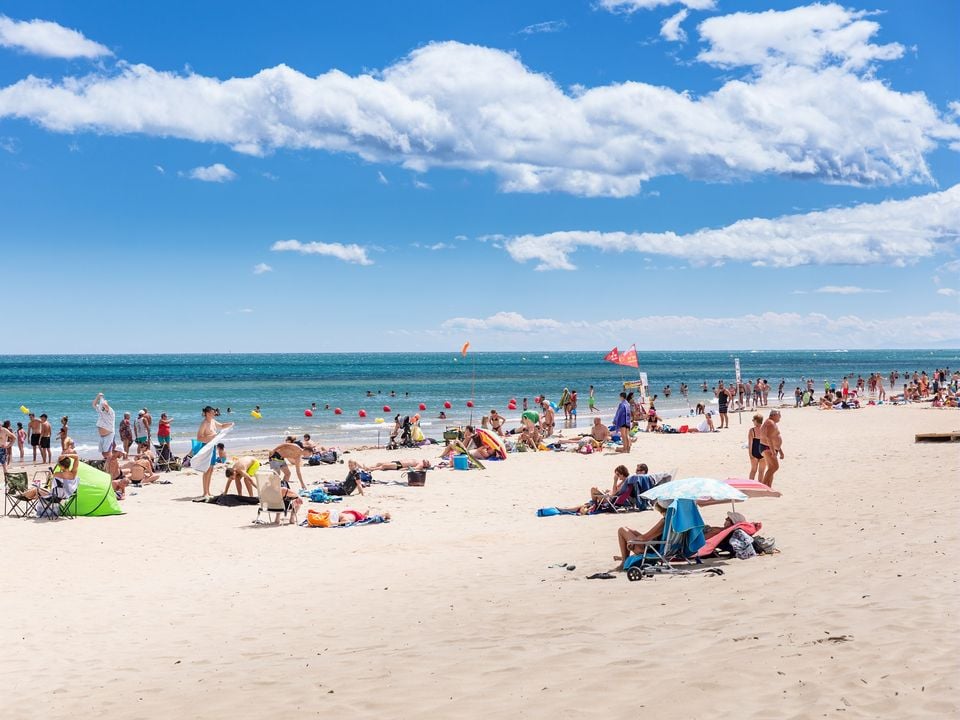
399,465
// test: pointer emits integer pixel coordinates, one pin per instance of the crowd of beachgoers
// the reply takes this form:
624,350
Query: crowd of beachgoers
135,454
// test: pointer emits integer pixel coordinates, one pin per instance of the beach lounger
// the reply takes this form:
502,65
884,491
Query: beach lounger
15,484
270,498
681,540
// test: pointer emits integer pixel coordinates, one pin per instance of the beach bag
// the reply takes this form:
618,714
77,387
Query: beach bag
416,478
365,477
742,544
319,495
547,512
316,518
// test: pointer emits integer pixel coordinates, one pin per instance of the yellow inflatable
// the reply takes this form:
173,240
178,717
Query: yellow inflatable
24,409
255,415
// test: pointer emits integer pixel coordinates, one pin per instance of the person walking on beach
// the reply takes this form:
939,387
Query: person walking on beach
6,444
622,421
126,434
106,425
772,444
780,389
33,427
148,423
592,400
209,427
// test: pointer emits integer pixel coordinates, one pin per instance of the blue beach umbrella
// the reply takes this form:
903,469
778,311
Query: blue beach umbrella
694,489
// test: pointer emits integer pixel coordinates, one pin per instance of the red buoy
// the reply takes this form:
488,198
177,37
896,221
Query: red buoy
422,407
337,411
386,408
469,403
447,405
362,413
308,413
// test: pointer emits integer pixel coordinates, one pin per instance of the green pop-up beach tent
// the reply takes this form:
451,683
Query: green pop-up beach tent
95,495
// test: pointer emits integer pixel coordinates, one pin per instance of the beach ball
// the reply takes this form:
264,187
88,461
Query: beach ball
378,420
422,407
362,413
308,413
386,408
469,403
447,405
337,411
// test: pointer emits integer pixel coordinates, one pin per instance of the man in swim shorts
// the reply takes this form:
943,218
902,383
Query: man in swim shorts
6,445
207,431
106,425
771,444
244,468
141,432
33,427
284,455
46,431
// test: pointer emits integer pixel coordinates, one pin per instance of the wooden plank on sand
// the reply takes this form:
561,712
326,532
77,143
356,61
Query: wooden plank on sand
937,437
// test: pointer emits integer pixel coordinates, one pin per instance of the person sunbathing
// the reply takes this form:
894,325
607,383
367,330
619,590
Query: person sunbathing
347,516
620,475
399,465
65,481
352,482
626,536
706,425
140,469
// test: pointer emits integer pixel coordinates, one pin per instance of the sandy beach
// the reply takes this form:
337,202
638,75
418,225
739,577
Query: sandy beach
453,609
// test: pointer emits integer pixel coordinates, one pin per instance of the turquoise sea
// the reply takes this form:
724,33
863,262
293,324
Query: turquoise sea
285,385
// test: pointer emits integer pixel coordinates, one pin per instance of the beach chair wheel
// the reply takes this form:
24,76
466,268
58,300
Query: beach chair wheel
634,574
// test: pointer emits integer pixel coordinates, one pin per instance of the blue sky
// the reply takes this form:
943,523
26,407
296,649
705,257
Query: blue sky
407,176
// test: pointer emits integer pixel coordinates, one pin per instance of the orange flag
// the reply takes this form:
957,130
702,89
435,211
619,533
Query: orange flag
613,356
629,357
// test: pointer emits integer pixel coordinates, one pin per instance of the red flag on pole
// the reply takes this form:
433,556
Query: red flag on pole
613,356
629,357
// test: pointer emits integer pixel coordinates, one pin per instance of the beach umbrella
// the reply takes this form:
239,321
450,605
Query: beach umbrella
694,488
750,488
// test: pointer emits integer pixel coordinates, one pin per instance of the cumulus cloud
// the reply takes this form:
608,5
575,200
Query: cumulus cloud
631,6
847,290
355,254
452,105
949,292
261,268
42,37
548,26
810,36
218,173
670,29
681,332
895,231
502,321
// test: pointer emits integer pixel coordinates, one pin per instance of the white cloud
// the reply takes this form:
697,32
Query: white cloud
261,268
631,6
270,176
847,290
949,292
480,109
812,36
218,173
770,329
548,26
42,37
245,310
670,29
348,253
160,169
502,321
9,144
382,179
895,231
421,185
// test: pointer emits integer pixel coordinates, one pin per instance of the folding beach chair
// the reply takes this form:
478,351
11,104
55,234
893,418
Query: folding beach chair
14,486
682,538
270,498
166,460
59,500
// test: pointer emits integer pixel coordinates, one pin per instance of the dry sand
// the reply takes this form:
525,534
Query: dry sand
452,610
